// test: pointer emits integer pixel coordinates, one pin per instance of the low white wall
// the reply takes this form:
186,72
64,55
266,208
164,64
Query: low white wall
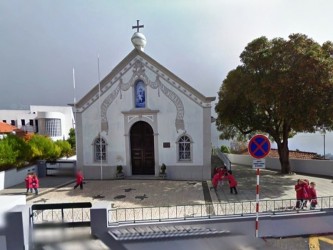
2,180
13,177
8,202
317,167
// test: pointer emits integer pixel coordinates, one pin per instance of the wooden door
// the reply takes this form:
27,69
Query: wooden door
142,149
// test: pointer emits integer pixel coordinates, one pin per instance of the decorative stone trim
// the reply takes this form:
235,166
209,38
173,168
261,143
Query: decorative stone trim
155,67
139,73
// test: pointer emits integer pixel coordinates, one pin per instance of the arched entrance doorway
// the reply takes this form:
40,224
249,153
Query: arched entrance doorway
142,149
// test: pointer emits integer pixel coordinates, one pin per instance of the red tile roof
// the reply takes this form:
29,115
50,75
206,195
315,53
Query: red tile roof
292,154
6,128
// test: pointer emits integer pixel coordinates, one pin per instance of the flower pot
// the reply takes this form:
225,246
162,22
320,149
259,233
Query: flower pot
163,175
120,175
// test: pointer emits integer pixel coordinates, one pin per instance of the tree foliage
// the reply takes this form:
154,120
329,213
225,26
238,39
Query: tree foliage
71,139
14,151
7,153
281,87
43,148
65,148
225,149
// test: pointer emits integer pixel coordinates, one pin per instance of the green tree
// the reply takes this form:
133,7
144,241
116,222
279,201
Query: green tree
43,148
7,153
72,139
14,151
65,148
282,87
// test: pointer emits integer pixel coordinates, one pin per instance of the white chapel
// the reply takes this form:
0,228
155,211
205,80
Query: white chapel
140,116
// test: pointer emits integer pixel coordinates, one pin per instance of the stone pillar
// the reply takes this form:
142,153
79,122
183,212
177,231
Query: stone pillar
17,228
99,218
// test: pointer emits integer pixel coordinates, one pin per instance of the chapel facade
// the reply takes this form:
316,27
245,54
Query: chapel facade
140,116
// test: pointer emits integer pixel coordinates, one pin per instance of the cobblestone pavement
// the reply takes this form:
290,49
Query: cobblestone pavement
136,193
273,186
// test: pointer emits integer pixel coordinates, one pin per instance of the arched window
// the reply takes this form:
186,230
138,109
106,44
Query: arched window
100,149
184,148
140,94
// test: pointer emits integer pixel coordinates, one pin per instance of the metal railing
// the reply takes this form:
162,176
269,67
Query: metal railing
60,168
208,211
60,215
223,157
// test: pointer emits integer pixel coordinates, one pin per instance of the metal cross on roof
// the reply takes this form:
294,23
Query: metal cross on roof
138,26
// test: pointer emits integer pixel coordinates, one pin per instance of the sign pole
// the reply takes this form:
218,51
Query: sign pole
259,147
257,203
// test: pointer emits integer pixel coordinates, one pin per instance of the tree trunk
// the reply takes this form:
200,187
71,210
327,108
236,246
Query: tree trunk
283,149
284,158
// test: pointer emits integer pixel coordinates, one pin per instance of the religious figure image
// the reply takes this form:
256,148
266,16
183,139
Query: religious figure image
141,95
140,98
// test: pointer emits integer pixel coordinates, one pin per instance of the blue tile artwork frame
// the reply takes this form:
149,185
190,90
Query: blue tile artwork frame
140,94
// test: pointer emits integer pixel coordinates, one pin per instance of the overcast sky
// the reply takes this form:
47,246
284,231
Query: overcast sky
41,41
200,41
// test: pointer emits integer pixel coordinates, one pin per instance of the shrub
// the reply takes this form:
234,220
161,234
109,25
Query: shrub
225,149
14,151
43,148
65,148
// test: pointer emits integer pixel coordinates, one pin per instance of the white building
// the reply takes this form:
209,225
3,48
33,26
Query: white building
140,116
53,121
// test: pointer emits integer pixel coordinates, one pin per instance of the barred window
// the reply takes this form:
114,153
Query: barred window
53,127
100,149
184,148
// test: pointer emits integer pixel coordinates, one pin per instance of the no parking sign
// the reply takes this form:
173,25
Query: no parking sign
259,146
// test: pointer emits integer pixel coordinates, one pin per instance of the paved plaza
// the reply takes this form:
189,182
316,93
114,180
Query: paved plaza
156,192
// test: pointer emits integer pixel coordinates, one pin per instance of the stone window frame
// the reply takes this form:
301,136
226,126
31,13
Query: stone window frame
190,142
94,144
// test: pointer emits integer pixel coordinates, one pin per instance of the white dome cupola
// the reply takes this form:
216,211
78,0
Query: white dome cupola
138,39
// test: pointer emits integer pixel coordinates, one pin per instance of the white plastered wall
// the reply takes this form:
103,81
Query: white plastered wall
117,137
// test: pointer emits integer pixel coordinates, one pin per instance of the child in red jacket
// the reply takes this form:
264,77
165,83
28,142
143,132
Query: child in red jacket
306,196
313,195
79,180
299,194
35,183
232,182
28,182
